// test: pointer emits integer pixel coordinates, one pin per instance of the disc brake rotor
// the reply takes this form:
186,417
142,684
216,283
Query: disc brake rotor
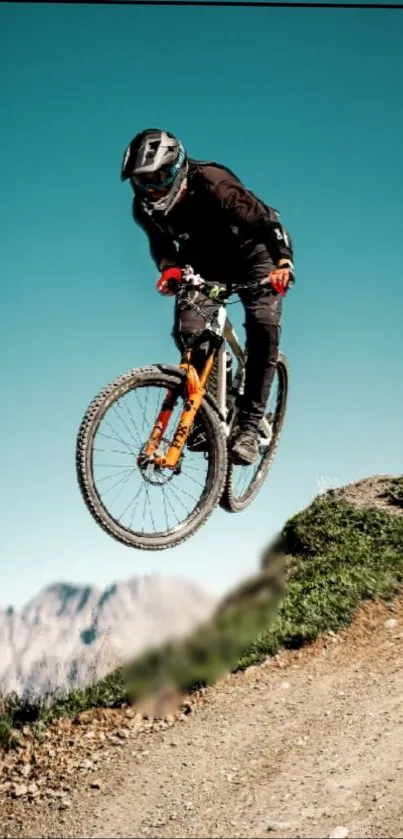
152,473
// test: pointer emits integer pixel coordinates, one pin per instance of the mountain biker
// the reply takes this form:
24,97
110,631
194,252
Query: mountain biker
199,213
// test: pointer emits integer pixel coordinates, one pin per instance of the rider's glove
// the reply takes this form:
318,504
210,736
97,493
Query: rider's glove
169,281
283,276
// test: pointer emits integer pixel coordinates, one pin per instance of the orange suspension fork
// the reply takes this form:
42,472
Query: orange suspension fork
195,393
161,423
195,390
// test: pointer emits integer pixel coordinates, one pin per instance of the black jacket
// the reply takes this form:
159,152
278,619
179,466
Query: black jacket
219,227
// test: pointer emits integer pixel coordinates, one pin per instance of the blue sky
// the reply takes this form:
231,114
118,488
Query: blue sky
305,105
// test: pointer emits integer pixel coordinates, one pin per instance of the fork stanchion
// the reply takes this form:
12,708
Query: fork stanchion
195,394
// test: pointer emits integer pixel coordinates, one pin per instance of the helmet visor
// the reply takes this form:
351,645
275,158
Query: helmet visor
158,182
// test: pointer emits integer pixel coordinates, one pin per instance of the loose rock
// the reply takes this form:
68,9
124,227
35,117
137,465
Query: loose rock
339,832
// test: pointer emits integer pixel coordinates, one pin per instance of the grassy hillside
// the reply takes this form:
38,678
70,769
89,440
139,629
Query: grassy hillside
347,546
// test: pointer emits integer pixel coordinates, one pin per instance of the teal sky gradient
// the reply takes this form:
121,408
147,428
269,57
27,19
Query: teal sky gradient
306,106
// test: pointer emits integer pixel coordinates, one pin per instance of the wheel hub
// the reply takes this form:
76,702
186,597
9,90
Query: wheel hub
151,472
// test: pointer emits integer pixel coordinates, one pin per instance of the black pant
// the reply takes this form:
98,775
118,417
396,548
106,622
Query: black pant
263,310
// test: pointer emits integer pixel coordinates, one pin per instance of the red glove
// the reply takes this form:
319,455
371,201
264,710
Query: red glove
282,276
169,281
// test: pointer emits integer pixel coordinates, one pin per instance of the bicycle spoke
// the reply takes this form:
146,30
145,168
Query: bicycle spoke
194,468
186,493
113,466
116,474
120,439
146,500
191,478
132,420
143,410
119,518
151,509
109,451
136,498
123,482
165,507
138,440
177,496
144,511
243,477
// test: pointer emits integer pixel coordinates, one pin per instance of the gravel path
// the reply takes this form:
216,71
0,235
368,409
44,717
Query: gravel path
308,745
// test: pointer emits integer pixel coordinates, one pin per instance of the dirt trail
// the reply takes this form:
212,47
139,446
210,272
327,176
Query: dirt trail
308,743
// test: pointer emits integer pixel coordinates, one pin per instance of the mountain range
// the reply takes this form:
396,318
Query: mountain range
70,635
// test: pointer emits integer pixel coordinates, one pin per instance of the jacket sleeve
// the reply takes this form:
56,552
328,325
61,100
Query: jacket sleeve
162,247
252,217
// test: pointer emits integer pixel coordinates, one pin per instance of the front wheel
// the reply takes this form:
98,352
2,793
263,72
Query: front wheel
244,482
141,505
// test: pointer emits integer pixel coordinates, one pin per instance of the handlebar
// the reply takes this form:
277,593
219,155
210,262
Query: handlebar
216,291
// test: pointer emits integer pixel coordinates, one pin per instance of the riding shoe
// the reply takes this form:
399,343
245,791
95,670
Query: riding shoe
245,450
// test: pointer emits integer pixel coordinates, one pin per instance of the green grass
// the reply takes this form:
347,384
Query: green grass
15,712
6,733
327,559
340,557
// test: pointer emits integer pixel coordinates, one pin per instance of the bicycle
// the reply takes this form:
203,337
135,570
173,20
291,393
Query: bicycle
159,458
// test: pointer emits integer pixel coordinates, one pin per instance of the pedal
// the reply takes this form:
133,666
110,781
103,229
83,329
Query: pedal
265,439
264,442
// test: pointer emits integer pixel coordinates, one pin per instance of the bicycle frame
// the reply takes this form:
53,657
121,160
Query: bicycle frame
219,326
231,338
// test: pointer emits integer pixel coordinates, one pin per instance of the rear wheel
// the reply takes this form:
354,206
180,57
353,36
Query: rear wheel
146,507
244,482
